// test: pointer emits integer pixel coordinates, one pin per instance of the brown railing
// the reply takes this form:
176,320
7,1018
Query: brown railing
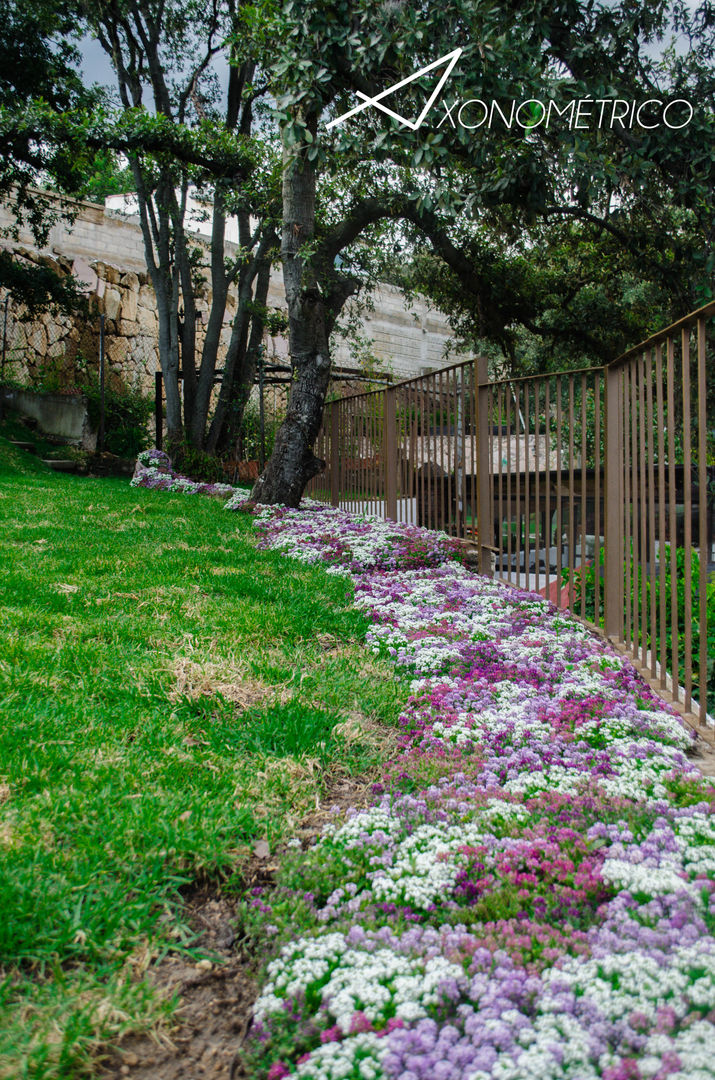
591,487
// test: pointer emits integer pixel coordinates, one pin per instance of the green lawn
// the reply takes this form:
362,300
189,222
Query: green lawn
169,696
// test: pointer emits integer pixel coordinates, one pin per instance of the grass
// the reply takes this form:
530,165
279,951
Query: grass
170,696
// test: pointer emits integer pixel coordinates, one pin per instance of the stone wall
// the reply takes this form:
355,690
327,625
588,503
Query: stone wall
105,250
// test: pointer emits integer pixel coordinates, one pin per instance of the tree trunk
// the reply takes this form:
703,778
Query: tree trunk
155,226
313,305
240,363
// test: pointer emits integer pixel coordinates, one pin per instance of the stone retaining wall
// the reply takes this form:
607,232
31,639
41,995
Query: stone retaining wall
105,250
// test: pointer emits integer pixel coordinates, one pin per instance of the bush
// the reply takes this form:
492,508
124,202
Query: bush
197,464
126,414
250,432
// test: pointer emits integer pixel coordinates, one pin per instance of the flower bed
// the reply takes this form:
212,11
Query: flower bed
532,893
154,470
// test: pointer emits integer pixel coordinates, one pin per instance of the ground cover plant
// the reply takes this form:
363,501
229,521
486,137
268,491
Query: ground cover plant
532,894
170,697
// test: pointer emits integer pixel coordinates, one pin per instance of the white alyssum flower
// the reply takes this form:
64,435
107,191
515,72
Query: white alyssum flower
421,871
361,1056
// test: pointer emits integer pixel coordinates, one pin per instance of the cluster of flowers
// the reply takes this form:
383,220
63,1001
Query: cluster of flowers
153,470
532,894
349,545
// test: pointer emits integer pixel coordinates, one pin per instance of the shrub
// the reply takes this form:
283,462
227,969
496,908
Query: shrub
196,463
126,413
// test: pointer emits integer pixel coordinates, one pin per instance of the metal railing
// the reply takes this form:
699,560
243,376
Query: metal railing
591,487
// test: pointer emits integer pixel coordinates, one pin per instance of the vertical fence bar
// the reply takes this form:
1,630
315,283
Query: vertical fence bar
572,501
547,491
597,520
472,398
390,423
464,399
517,479
527,489
584,448
673,520
643,500
628,504
500,511
559,490
484,516
334,453
445,447
651,511
703,517
613,506
509,504
635,517
688,518
412,454
660,421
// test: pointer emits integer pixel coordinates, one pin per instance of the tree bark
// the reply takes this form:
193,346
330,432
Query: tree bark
240,362
314,295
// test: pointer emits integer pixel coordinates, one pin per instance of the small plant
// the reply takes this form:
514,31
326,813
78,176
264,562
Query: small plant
250,433
197,464
126,413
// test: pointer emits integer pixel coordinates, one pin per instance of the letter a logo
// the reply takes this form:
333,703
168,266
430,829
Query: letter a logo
450,60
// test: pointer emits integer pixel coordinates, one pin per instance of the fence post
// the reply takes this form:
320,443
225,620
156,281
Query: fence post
102,417
390,427
261,410
4,352
334,455
614,509
485,525
157,408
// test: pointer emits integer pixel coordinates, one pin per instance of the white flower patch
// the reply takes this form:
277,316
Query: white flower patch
358,1057
696,834
693,1047
638,777
661,726
420,873
555,778
377,981
507,720
637,982
582,682
499,810
375,823
300,964
653,881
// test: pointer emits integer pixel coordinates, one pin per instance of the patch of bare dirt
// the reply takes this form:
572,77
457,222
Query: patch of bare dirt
212,1018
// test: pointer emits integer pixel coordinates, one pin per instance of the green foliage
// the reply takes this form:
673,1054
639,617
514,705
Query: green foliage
190,461
38,287
109,177
39,73
584,580
250,433
126,414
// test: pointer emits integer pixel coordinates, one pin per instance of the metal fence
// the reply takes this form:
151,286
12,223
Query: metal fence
591,487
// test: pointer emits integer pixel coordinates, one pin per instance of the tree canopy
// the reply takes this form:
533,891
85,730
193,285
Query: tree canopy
544,241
